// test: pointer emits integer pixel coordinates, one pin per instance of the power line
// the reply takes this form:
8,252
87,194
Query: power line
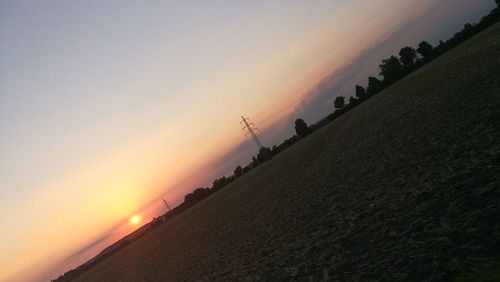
296,102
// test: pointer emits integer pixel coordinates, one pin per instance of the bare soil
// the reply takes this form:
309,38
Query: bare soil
405,187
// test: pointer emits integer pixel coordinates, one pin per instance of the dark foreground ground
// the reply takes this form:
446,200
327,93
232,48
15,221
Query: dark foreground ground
404,187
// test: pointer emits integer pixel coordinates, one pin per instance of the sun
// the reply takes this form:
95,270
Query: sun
135,219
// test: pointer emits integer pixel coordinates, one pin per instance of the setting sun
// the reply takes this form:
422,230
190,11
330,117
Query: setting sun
135,219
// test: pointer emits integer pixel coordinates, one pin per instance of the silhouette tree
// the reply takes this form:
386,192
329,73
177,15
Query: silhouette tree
274,150
255,162
264,154
352,100
360,91
221,182
374,85
407,56
390,69
238,171
197,195
301,127
425,50
339,102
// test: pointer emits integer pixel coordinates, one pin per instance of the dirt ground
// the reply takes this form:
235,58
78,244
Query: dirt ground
405,187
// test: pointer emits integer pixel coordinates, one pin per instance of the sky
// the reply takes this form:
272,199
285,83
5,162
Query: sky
106,107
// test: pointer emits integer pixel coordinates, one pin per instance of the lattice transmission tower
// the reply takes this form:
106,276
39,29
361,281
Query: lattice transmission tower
167,206
249,128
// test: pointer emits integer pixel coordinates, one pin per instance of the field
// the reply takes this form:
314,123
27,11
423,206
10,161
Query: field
404,187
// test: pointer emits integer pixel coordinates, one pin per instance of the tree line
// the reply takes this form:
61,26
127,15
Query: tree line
395,67
391,69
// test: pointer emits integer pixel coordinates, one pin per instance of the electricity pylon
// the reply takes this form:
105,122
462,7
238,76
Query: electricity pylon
166,205
249,128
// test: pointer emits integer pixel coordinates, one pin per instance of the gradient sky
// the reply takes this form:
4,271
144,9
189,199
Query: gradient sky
107,106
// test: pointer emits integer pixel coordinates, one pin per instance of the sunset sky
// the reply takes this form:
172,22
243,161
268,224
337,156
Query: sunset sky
108,106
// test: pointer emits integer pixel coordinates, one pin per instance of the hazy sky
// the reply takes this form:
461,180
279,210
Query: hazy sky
107,106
